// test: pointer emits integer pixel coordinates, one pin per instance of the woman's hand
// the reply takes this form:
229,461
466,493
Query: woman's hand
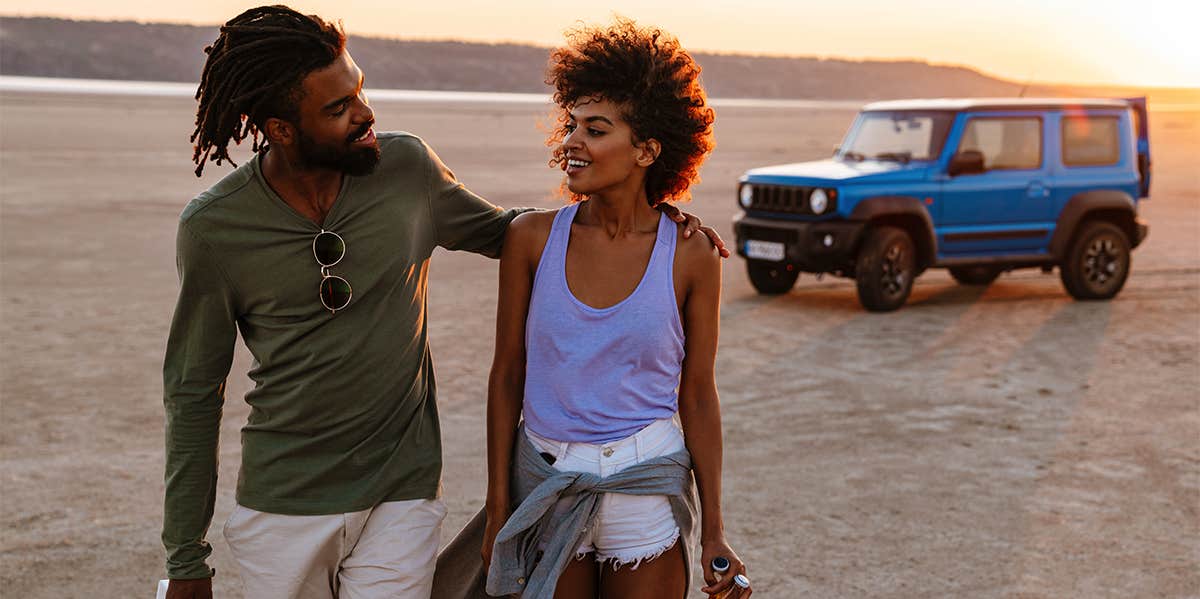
495,521
720,548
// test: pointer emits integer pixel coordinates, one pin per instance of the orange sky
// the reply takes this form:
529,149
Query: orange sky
1127,42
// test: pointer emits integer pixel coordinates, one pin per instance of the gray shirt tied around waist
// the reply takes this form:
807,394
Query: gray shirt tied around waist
538,486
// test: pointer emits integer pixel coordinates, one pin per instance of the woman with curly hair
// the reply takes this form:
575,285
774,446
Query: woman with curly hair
605,344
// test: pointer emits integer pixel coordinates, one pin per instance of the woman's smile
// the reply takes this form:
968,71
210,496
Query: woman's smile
576,165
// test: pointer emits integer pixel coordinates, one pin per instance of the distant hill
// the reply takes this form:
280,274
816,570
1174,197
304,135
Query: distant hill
126,50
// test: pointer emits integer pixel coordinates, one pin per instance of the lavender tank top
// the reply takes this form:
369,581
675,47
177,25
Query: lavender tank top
599,375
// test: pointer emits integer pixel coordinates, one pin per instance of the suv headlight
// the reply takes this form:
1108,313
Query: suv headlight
746,195
818,201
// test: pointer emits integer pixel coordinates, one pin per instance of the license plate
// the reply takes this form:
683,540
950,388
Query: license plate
764,250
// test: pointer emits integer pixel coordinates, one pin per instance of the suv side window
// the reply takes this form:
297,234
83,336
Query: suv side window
1090,141
1007,143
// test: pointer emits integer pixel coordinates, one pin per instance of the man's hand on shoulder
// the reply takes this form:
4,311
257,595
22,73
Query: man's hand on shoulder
199,588
691,224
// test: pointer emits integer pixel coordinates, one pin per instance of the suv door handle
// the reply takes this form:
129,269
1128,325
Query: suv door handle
1037,190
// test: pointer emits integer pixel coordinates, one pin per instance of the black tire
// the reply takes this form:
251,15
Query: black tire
1097,263
885,268
975,275
770,278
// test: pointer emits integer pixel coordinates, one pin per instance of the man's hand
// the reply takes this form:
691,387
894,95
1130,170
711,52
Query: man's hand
692,224
200,588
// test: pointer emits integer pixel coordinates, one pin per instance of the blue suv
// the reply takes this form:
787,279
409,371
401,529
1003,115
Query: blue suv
978,186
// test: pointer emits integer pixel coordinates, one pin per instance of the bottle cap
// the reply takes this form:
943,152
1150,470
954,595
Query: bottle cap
741,581
720,565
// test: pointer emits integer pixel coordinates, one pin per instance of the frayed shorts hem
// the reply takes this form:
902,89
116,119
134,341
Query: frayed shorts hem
635,555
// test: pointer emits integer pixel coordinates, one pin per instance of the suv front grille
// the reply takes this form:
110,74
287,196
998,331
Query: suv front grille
777,198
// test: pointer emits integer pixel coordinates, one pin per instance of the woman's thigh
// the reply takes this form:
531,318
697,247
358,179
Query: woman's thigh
579,580
663,577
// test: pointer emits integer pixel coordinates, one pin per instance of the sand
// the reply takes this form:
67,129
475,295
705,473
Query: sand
999,442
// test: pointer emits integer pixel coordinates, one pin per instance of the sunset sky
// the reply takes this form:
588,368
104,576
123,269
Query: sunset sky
1128,42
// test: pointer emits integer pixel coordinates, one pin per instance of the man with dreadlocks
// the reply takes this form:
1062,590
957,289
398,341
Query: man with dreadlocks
317,249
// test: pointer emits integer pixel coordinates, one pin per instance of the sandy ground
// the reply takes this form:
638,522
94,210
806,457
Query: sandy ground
1006,442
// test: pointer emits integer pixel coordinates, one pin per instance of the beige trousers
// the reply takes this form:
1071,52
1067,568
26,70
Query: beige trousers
386,551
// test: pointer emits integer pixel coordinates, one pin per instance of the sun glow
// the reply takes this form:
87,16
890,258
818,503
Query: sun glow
1104,42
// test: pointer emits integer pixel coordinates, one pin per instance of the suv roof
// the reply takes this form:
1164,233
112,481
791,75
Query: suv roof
996,104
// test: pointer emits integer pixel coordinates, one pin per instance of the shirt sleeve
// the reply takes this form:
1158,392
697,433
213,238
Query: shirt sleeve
198,357
461,219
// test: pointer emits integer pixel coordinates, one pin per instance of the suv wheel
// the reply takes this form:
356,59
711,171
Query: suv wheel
770,278
975,275
1097,263
885,269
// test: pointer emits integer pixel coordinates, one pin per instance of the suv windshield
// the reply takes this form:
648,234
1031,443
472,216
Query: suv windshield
899,135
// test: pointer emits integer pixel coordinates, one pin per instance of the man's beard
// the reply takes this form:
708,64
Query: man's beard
354,162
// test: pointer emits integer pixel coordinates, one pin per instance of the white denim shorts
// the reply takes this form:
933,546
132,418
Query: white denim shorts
629,529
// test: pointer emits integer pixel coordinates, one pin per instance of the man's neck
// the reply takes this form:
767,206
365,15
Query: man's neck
310,192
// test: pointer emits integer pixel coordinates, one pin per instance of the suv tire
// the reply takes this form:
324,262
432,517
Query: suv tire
770,278
885,269
1097,262
975,275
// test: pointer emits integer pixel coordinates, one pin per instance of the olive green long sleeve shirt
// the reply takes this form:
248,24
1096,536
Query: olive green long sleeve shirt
342,413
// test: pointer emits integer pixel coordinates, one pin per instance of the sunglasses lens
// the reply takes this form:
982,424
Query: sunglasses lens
329,248
335,293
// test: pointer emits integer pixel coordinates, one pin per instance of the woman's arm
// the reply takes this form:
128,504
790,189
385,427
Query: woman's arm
506,384
699,406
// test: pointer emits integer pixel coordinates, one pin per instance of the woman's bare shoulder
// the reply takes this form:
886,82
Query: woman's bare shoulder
695,253
534,221
532,225
529,231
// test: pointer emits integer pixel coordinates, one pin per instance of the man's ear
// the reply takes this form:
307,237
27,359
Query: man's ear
280,132
648,152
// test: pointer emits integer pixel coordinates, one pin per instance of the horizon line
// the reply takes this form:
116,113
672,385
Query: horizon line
179,89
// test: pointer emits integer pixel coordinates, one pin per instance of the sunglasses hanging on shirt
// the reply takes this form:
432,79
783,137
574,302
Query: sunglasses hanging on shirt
329,248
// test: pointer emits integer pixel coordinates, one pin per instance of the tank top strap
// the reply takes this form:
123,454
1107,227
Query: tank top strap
668,232
554,255
662,260
564,218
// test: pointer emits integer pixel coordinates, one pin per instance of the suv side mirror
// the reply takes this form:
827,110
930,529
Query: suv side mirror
967,162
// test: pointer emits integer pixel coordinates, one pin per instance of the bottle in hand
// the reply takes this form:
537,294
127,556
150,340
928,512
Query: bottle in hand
720,567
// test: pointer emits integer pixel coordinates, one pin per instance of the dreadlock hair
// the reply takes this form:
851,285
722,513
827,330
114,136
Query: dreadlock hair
254,72
657,83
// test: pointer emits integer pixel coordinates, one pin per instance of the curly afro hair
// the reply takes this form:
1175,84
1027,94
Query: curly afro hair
657,83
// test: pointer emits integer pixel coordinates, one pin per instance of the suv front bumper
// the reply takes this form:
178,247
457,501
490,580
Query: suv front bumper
811,246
